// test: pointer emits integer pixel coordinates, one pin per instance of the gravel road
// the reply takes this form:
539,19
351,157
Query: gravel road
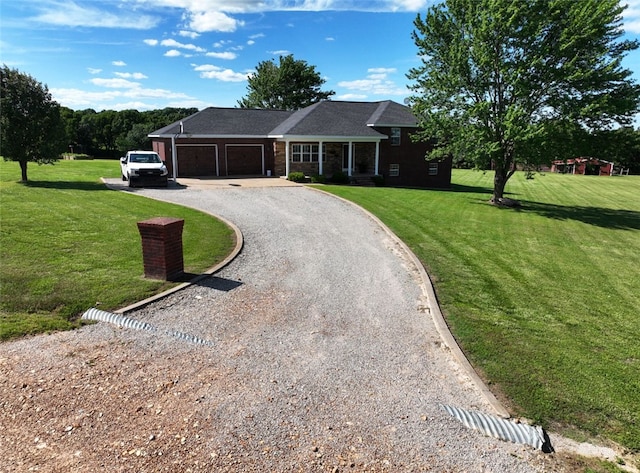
320,360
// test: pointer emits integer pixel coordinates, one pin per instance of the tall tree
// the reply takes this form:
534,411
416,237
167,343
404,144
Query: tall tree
291,85
498,76
30,125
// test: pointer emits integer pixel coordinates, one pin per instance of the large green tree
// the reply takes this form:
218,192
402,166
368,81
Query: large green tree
290,85
30,125
499,78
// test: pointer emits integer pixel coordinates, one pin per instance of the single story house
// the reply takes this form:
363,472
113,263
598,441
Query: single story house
360,139
592,166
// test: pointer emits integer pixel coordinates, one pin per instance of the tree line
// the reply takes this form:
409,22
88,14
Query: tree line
109,133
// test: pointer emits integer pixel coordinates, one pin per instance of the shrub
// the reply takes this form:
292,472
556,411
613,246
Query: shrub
297,177
378,180
318,179
340,177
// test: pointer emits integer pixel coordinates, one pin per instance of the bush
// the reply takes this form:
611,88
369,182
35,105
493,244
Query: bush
378,180
318,179
297,177
340,177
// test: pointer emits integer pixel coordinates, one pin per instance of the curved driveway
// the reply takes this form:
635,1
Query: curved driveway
330,337
321,358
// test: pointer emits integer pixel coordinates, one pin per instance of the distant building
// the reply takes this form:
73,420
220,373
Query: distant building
588,166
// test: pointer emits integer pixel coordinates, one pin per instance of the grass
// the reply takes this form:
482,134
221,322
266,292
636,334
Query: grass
67,243
544,300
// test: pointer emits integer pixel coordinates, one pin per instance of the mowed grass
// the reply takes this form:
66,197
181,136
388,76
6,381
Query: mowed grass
67,243
544,300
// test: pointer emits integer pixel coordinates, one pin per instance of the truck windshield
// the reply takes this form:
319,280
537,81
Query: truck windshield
144,158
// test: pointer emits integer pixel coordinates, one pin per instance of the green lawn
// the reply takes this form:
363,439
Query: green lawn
67,243
545,300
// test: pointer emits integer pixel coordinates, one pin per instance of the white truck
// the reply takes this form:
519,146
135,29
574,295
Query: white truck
139,167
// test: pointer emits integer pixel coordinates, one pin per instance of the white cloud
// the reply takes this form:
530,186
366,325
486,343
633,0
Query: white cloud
382,70
70,13
131,75
226,55
209,71
173,53
94,71
172,43
329,38
114,83
256,36
151,42
134,98
118,63
351,97
205,21
376,83
632,16
251,42
280,52
188,34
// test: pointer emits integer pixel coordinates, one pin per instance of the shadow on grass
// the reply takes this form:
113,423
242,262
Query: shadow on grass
470,189
68,185
618,219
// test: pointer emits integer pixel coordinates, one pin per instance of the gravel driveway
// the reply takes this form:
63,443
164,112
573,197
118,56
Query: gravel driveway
320,360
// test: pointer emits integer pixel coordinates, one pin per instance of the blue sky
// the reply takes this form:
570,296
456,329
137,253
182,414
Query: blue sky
151,54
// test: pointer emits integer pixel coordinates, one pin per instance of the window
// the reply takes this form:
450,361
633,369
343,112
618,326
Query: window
306,153
433,169
395,136
394,170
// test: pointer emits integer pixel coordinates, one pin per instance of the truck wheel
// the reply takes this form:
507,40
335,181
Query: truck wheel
124,178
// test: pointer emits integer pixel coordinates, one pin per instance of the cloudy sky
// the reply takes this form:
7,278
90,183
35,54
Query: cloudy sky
150,54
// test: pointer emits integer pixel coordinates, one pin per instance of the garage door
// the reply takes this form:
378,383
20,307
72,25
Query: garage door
196,161
244,160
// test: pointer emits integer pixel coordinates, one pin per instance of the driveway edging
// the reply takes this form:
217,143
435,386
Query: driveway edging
436,314
212,270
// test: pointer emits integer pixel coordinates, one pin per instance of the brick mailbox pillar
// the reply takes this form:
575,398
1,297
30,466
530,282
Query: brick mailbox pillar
162,247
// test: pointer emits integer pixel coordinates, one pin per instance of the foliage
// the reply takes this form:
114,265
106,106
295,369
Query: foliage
297,176
31,129
378,180
554,330
68,243
291,85
318,179
340,177
111,133
503,84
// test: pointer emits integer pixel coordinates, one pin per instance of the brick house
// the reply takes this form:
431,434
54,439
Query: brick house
360,139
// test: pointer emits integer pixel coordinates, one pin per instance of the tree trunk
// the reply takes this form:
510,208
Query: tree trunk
499,182
23,168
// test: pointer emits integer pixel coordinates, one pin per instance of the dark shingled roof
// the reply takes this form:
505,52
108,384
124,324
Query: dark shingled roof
228,121
327,118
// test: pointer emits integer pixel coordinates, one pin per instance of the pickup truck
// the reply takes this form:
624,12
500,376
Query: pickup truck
143,166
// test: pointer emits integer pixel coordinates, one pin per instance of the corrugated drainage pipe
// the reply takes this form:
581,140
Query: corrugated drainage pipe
128,322
503,429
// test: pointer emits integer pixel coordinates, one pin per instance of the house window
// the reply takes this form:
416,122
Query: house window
395,136
306,153
394,170
433,169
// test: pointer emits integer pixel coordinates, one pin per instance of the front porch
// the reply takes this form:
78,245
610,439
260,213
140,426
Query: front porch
359,160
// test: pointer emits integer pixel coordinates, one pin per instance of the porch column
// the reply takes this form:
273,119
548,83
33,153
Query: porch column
377,157
286,157
350,160
320,145
174,159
